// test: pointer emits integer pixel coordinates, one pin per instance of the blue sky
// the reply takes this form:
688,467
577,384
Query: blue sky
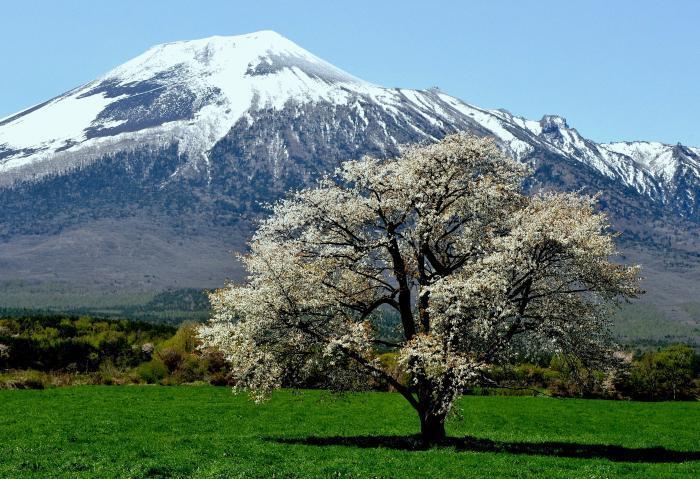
617,70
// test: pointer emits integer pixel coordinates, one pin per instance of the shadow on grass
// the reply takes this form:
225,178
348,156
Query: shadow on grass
473,444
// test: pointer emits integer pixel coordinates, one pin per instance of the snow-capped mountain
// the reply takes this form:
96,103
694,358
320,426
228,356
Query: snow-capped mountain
193,93
163,161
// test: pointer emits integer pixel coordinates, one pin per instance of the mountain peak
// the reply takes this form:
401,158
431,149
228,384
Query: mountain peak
553,122
203,85
211,54
269,38
269,35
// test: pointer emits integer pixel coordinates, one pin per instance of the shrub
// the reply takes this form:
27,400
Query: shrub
171,357
185,339
219,379
390,364
191,369
152,372
663,375
574,380
172,352
107,375
29,380
532,374
216,363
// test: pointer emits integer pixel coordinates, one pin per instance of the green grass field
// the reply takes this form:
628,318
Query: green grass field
206,432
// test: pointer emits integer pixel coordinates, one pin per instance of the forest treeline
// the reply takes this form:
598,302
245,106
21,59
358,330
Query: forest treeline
38,352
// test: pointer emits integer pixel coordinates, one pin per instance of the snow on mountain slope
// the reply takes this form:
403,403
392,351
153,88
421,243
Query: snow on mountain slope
663,161
203,86
192,93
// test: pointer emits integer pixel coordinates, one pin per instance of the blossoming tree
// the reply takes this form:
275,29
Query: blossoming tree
443,235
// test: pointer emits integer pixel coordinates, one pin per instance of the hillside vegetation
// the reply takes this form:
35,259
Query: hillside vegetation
44,351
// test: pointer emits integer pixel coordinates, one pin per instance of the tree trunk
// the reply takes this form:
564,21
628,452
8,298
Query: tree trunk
432,429
432,424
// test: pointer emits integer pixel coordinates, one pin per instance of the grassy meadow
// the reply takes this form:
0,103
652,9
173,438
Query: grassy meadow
206,432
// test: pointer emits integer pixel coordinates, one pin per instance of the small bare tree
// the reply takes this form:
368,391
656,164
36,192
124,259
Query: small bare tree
476,270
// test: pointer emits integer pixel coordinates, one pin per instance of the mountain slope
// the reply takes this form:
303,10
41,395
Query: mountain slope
110,186
192,93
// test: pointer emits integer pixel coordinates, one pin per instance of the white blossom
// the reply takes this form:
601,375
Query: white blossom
444,235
